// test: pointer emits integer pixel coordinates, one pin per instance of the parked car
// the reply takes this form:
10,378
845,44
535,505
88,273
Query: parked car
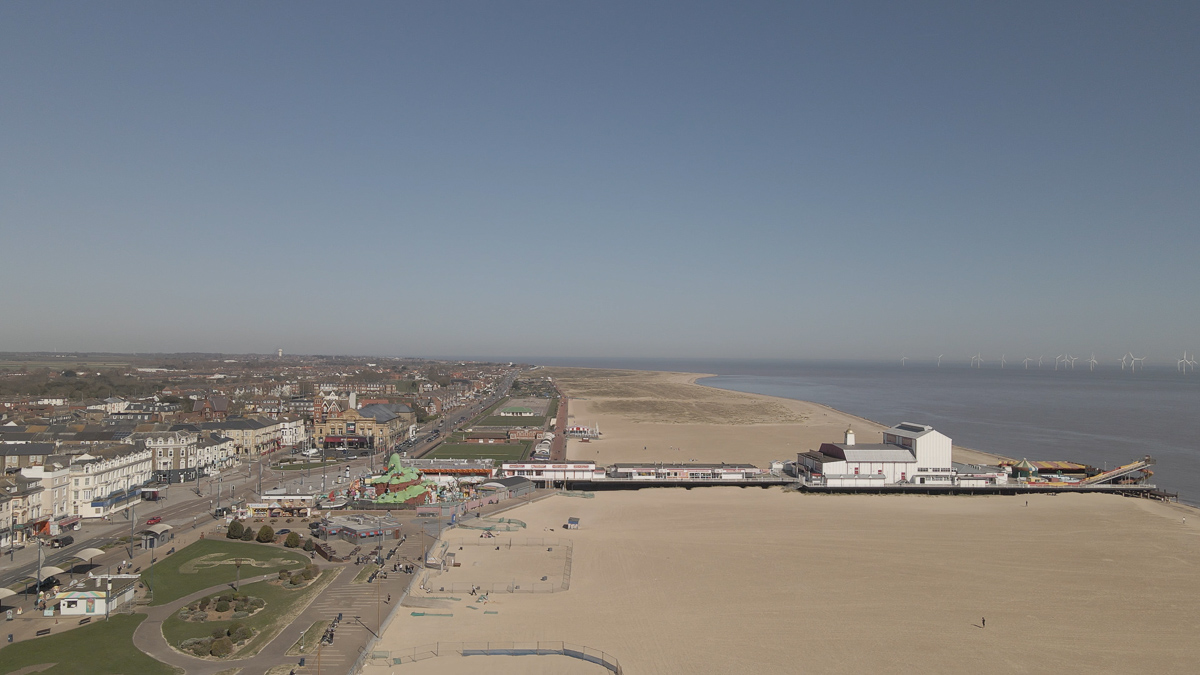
60,542
153,521
283,531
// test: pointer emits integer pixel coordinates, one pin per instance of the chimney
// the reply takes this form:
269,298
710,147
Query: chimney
849,437
354,400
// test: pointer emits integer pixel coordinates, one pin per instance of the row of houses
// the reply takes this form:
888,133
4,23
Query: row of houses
58,491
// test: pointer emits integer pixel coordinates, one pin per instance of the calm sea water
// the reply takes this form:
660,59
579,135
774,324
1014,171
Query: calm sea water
1103,418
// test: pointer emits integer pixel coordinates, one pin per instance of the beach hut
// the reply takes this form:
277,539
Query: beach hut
572,523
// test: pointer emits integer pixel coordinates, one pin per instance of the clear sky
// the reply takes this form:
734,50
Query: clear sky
687,179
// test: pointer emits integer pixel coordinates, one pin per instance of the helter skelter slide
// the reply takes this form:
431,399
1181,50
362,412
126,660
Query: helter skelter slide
1121,471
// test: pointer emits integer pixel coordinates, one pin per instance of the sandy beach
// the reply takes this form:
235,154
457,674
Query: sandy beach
724,580
667,417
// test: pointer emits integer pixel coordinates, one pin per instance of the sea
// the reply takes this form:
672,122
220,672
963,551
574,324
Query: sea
1104,417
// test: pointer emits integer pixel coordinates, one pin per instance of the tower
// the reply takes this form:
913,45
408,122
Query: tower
849,436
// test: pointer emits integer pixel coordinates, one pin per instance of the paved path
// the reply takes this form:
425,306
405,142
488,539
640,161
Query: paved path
366,601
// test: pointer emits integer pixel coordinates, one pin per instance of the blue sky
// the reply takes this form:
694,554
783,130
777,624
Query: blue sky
776,180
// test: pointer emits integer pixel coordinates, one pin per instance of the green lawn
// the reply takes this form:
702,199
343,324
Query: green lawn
281,603
498,421
501,452
208,562
99,647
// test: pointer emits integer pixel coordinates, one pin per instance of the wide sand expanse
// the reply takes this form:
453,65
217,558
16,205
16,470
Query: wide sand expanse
667,417
731,580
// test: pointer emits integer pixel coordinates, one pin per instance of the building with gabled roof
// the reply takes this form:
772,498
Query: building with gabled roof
910,453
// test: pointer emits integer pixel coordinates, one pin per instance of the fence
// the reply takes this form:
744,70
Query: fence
492,524
398,657
515,586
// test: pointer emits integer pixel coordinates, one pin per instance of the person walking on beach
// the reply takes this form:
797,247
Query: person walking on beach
983,622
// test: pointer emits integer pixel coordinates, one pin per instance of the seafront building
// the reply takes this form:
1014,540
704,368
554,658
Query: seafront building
910,453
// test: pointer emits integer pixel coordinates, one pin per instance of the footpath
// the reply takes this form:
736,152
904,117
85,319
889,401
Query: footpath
366,607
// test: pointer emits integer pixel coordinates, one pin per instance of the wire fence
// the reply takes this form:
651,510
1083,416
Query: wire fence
398,657
429,582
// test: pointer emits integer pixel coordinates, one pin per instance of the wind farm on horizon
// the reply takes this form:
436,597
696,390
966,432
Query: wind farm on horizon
1064,361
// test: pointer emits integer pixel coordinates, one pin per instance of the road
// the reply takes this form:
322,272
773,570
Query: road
183,508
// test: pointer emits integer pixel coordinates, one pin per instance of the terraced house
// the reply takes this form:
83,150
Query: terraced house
104,480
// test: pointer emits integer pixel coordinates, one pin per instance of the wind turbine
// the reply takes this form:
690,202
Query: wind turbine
1056,360
977,360
1026,362
1072,359
940,360
1092,362
1123,360
1040,360
1135,361
903,360
1002,361
1192,362
1182,365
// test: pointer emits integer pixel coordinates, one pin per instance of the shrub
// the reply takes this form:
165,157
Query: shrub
222,606
266,535
235,530
297,579
307,574
233,627
292,541
313,568
185,613
227,597
310,545
202,648
241,606
258,603
241,614
218,633
283,575
248,535
242,634
199,616
222,647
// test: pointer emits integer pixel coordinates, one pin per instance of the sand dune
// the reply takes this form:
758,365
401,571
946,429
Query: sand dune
667,417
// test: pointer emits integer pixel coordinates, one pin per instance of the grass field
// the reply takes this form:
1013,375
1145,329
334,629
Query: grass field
282,606
498,421
101,647
209,562
501,452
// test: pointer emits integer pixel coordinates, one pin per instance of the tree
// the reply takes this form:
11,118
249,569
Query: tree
310,545
236,529
248,535
292,541
266,535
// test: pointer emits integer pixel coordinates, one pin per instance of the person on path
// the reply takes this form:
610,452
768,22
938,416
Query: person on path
983,622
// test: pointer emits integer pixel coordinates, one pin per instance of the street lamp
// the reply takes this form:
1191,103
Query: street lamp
237,562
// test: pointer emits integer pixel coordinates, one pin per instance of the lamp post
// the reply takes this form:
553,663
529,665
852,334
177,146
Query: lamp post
237,562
